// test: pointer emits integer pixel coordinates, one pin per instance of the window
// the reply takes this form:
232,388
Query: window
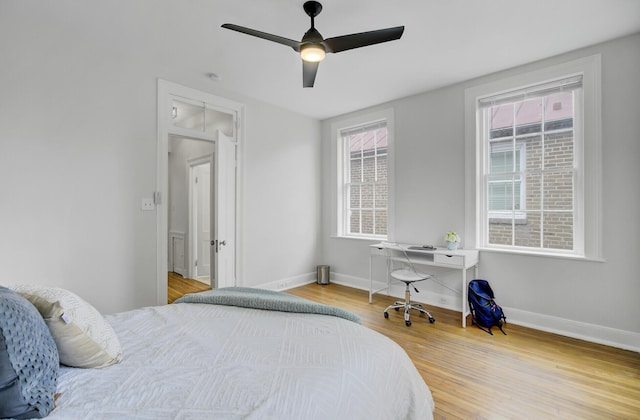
365,179
537,152
529,141
362,176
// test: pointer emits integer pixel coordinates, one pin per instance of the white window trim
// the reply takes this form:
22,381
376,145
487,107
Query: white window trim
589,155
337,159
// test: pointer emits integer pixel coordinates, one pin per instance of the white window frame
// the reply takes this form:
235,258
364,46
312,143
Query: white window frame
339,222
588,154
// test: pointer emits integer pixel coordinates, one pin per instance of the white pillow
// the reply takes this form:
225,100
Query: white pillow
83,337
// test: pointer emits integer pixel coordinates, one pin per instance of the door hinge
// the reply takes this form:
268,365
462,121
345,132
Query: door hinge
157,198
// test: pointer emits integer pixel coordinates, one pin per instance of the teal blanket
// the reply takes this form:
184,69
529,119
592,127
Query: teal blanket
265,299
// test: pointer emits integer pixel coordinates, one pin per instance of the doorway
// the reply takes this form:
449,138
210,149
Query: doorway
201,120
190,165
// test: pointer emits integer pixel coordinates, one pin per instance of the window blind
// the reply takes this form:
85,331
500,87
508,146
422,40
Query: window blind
566,84
362,128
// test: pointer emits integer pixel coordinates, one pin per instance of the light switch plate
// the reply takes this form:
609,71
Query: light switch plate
147,204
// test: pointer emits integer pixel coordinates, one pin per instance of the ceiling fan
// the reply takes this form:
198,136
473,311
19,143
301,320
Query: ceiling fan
313,47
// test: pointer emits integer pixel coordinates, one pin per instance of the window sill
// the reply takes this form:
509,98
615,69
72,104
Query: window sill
543,254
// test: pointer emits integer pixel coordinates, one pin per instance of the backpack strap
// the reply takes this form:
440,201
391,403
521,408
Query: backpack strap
487,330
475,322
497,318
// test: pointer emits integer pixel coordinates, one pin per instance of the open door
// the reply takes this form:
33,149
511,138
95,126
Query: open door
224,241
201,220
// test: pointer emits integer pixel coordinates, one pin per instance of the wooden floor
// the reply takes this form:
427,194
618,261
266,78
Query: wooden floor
179,286
527,374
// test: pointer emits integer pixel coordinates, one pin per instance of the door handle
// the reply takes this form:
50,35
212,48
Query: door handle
218,244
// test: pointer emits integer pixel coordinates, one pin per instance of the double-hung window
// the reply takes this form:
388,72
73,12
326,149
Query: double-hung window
534,188
363,149
530,174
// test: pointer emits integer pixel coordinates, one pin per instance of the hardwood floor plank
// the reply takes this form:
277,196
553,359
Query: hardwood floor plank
525,374
179,286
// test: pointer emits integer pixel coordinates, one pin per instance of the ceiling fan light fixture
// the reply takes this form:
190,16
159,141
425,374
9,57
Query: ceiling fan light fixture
312,53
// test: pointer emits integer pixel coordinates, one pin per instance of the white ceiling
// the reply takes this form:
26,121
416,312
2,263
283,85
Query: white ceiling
444,42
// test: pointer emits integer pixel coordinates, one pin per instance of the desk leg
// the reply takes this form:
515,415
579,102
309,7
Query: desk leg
370,278
465,292
464,298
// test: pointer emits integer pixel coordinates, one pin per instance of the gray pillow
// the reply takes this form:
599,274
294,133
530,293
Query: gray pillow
29,360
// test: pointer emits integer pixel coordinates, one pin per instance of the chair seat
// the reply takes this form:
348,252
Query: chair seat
406,275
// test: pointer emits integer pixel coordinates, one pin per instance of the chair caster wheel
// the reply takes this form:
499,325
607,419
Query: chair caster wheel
432,320
408,323
397,309
386,315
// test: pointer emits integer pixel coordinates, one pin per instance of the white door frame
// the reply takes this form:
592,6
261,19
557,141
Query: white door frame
167,91
193,236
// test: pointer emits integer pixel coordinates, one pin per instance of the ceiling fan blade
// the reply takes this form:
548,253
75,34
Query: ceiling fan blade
362,39
309,71
269,37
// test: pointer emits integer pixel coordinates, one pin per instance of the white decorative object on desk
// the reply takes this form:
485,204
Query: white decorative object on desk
453,240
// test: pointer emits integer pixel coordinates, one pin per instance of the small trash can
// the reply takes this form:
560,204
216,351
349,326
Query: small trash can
323,274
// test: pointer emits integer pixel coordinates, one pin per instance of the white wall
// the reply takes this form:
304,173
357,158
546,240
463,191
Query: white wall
282,213
595,300
78,149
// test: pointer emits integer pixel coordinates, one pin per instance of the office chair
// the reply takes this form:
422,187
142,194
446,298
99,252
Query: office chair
400,268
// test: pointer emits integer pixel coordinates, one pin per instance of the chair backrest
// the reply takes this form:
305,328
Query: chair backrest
397,258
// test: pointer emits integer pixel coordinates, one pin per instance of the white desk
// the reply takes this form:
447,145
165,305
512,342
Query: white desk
461,259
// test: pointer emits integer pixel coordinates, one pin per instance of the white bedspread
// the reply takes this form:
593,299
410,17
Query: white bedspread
198,361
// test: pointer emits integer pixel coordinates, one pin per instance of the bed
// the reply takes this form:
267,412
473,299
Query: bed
193,360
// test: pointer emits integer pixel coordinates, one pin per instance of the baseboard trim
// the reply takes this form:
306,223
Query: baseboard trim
203,279
613,337
433,299
581,330
289,282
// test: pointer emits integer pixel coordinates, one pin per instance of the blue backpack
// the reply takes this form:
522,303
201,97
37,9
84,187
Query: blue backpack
485,312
